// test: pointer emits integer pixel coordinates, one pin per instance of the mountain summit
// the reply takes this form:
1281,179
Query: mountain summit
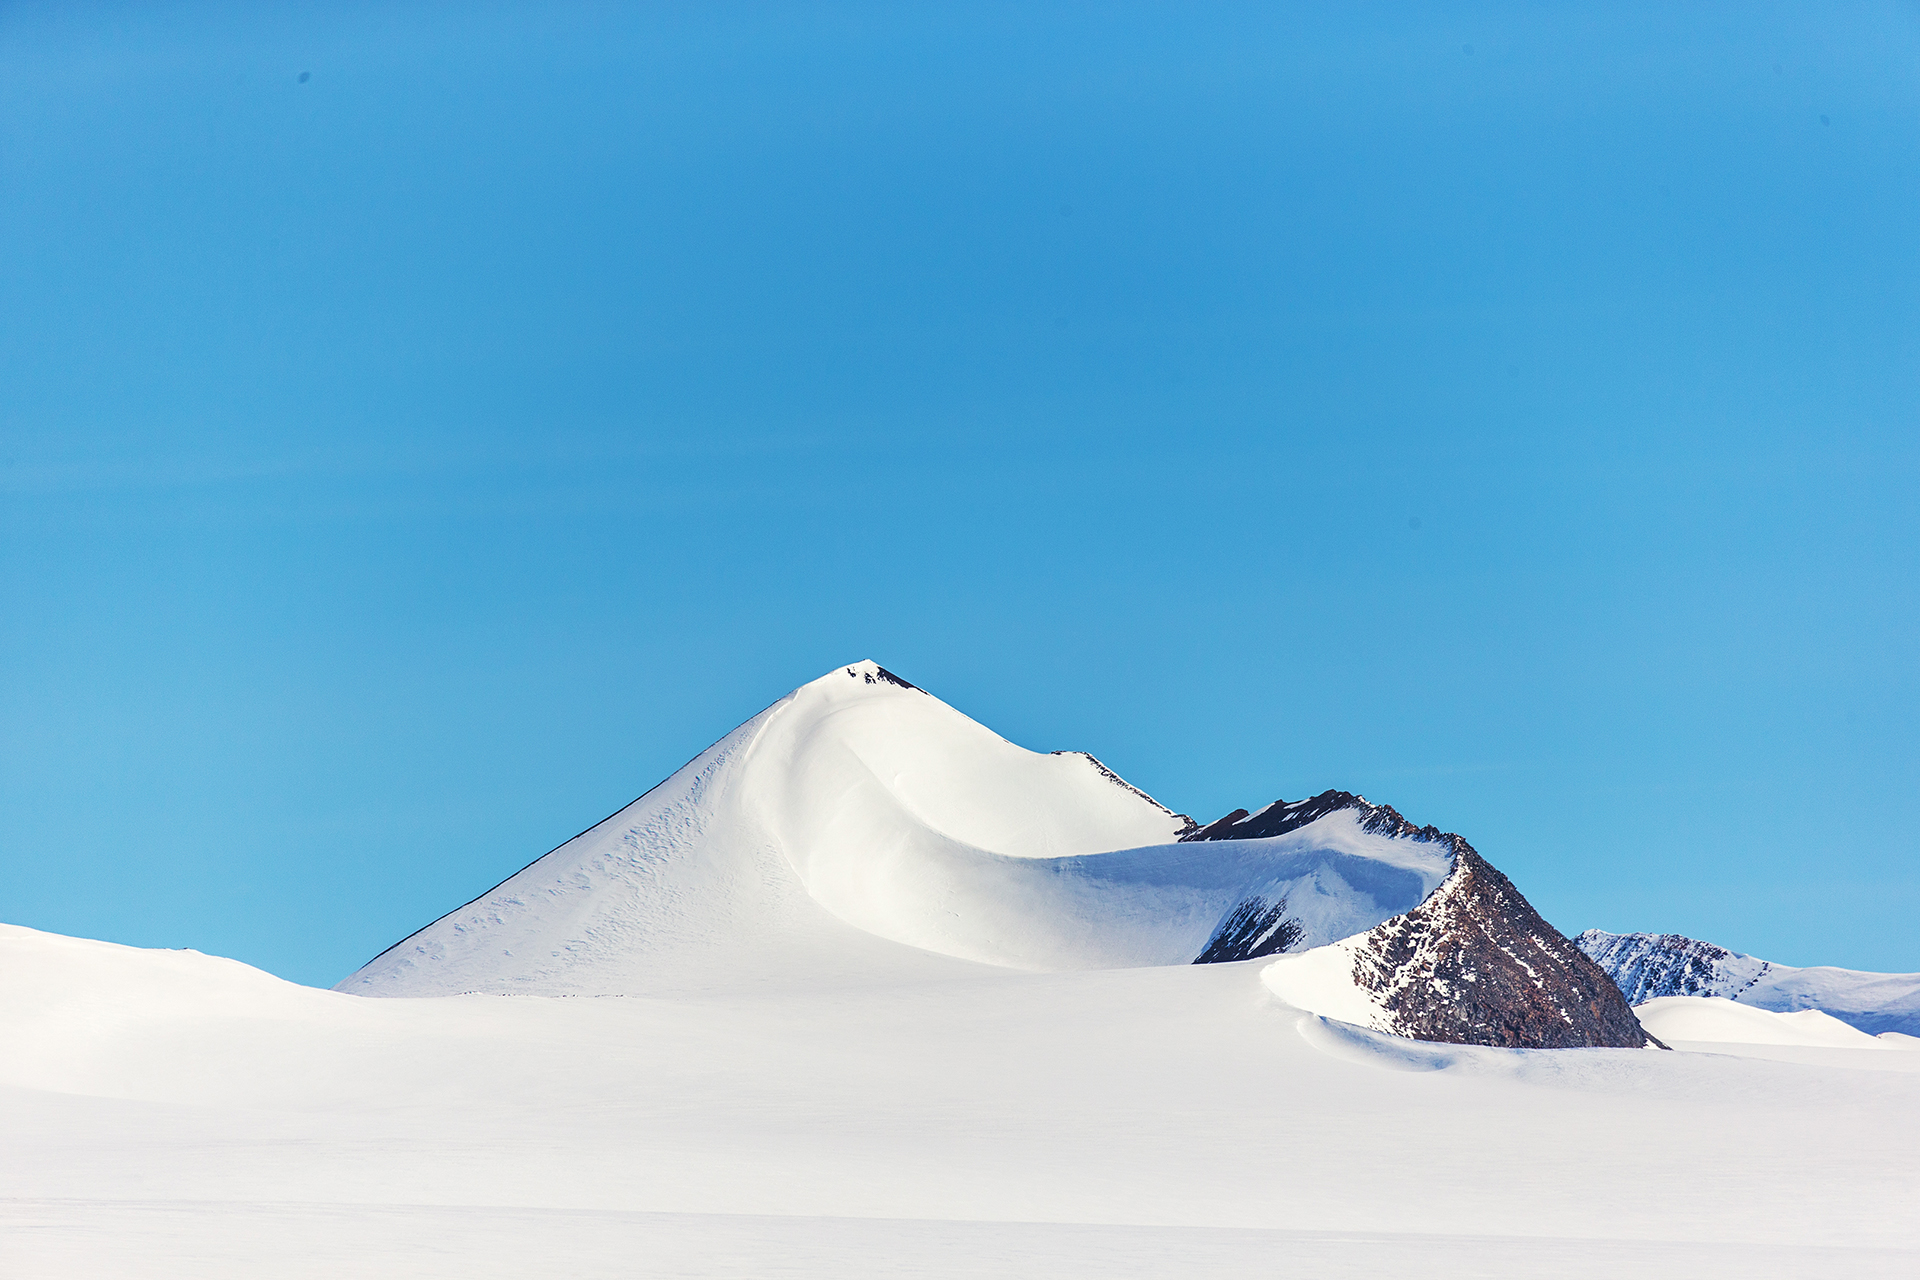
859,825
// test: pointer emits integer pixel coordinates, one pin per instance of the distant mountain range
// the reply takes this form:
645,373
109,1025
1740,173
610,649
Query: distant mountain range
862,826
1648,966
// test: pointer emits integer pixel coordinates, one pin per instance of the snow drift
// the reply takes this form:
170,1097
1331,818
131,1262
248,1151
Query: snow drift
1713,1020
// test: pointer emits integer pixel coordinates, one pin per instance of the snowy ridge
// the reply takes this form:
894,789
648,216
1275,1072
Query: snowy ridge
1650,966
1647,966
858,825
1187,825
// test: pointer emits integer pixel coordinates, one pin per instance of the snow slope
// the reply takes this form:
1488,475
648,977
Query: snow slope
1648,966
860,811
1710,1019
167,1114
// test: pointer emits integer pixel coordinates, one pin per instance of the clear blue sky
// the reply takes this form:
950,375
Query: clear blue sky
425,427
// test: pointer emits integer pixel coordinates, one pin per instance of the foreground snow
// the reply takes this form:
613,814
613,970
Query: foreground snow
169,1114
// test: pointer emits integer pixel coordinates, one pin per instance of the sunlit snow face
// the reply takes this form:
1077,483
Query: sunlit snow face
860,809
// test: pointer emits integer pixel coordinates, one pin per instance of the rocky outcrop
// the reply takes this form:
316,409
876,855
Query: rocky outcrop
1472,964
1282,816
1255,928
1260,926
1476,964
1646,966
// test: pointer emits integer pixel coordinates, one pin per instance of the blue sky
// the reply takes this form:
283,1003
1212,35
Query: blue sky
425,427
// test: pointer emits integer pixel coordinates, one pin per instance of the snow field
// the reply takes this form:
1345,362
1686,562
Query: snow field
939,1125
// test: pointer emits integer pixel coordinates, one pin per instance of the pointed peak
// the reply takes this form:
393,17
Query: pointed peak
1283,816
871,672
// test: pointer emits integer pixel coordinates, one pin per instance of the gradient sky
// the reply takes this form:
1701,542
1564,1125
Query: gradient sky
425,427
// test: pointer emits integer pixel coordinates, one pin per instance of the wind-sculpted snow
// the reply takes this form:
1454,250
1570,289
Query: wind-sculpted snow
1710,1020
1650,966
860,823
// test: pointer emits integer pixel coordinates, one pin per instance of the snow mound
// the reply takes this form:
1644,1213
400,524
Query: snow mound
62,999
859,824
1648,966
1711,1019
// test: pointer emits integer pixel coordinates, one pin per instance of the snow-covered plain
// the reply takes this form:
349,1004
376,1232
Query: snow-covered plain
756,1050
168,1114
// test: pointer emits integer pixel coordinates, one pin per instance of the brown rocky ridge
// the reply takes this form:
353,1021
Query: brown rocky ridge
1472,964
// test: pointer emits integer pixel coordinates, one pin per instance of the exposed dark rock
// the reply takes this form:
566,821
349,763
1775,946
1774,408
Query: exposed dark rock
1476,964
1646,966
1281,817
880,675
1255,928
1473,964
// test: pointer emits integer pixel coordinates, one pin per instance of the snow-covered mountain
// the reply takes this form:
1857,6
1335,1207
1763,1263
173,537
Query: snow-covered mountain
862,826
841,1057
1648,966
860,811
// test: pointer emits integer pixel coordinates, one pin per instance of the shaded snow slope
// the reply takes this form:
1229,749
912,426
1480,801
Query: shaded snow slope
1473,964
1648,966
859,823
